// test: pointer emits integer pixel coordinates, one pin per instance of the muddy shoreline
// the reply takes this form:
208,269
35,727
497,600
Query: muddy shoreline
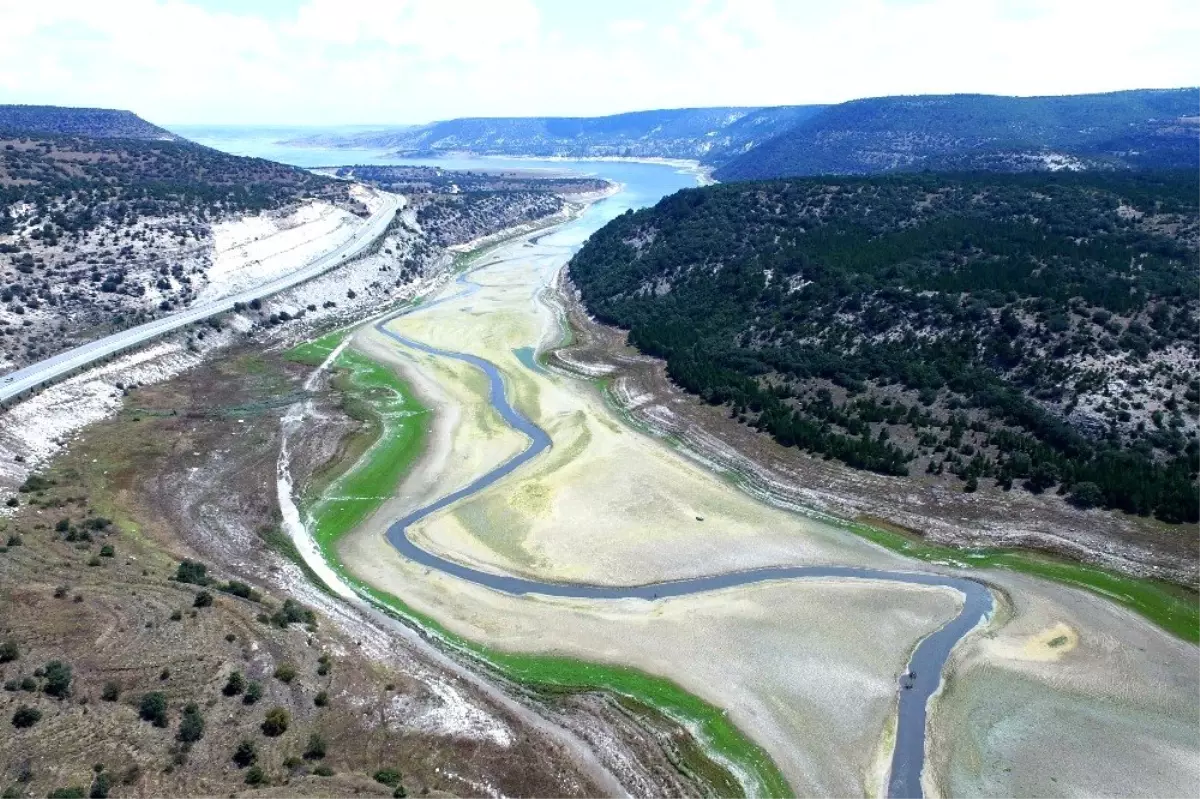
934,510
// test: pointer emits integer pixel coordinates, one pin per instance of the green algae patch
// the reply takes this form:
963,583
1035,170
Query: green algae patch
1174,608
378,456
316,351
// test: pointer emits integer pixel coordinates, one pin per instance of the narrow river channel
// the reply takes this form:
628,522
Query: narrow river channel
928,659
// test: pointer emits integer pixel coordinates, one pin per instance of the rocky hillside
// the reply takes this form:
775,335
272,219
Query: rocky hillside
709,134
1024,330
97,234
101,123
1134,129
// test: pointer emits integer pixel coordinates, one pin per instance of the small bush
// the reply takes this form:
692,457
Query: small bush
254,692
285,672
276,722
71,792
203,600
12,502
316,747
177,615
240,589
26,717
323,771
255,776
107,551
15,541
235,685
35,482
292,612
111,692
193,572
9,651
388,777
191,725
100,787
153,708
58,679
246,754
321,699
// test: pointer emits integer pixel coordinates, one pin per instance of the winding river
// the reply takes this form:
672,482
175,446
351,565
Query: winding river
925,666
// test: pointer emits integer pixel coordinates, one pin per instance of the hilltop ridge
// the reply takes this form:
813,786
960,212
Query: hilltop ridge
100,123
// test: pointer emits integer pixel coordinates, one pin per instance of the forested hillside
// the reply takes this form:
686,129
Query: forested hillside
101,123
711,135
82,179
1132,129
1034,330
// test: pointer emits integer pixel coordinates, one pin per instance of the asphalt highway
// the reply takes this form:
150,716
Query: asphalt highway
42,372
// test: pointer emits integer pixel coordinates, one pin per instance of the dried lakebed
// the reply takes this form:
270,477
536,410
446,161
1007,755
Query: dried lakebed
925,666
806,667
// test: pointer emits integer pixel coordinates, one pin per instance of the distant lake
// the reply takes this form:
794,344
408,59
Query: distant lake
643,184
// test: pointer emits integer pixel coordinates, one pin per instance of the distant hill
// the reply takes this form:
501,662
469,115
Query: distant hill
99,123
977,329
1141,128
712,135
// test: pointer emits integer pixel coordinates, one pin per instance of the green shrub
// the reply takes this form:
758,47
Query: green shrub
153,708
71,792
203,600
246,754
321,699
235,685
100,787
107,551
25,717
9,651
111,691
276,722
285,672
292,612
255,776
193,572
58,679
240,589
254,692
323,771
316,747
388,777
191,725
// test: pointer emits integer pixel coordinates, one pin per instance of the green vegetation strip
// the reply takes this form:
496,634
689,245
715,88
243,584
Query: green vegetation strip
375,390
1172,607
374,394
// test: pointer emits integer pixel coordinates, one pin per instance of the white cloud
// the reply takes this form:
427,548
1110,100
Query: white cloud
341,61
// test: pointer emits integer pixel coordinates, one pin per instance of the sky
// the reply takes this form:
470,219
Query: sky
341,62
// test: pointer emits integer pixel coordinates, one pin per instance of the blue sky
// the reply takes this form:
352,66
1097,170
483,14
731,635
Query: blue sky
405,61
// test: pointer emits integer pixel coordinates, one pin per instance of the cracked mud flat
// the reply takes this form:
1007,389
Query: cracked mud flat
576,514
